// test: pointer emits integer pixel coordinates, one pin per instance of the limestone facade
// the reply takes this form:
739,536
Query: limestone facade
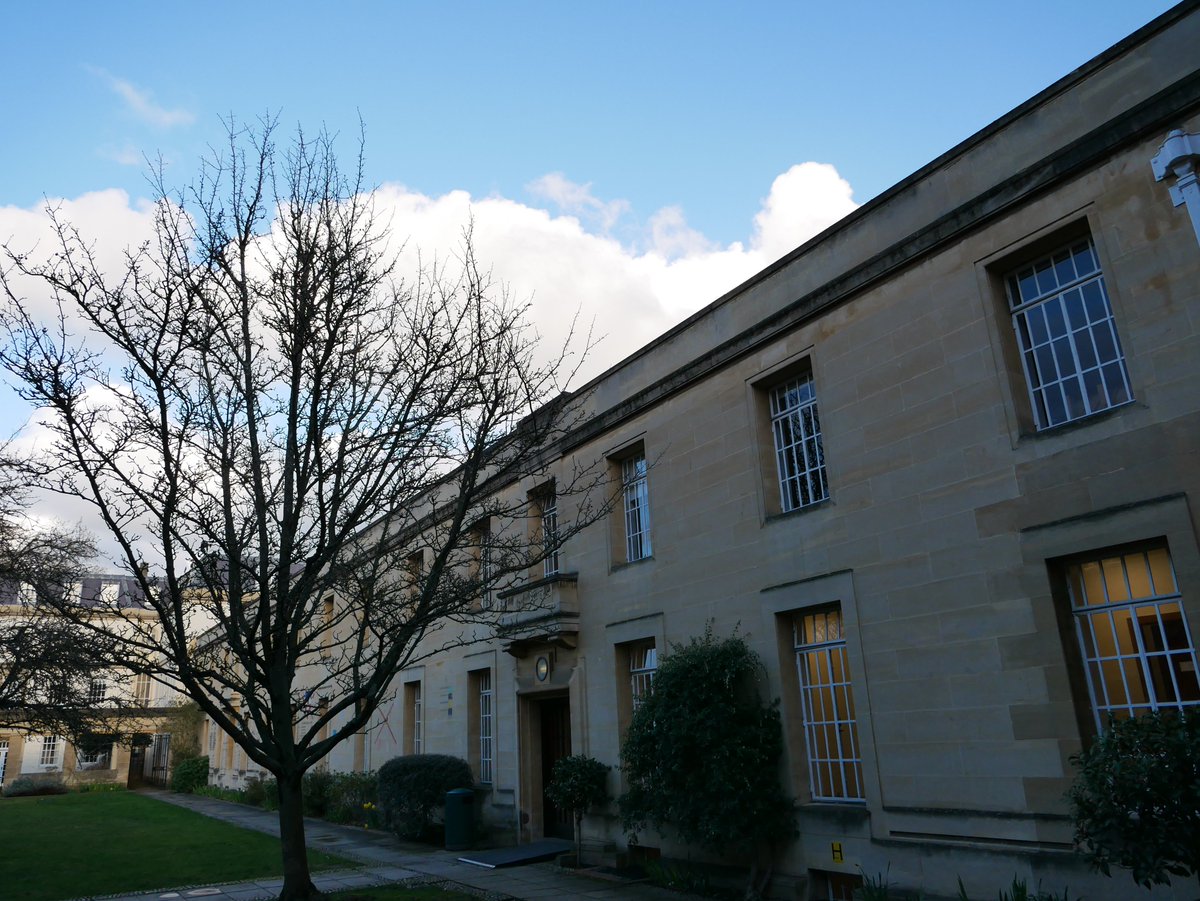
983,475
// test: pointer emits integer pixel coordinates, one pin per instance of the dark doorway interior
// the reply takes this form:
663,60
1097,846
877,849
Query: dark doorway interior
556,744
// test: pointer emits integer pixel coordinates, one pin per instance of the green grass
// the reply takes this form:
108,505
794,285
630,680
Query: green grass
68,846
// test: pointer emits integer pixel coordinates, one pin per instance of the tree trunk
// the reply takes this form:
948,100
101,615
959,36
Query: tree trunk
297,885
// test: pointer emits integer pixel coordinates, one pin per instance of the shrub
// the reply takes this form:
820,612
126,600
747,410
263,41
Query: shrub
317,789
1136,799
95,787
254,792
189,774
411,788
352,799
577,784
702,753
25,787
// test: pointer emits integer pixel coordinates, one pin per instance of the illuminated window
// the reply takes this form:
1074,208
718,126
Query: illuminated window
1137,649
827,699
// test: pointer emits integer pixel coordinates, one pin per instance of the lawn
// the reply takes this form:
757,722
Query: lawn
68,846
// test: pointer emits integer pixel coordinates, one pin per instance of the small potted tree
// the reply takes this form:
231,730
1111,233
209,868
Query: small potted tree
577,784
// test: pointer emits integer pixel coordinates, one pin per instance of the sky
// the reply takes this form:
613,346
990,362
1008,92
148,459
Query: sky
626,163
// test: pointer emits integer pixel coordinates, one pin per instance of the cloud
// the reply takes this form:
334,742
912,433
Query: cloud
565,264
577,199
139,102
126,155
803,202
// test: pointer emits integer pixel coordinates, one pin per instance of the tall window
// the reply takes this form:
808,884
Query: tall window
1137,649
141,689
799,457
1069,347
412,717
212,736
485,564
637,507
484,684
49,756
548,504
643,663
97,689
827,698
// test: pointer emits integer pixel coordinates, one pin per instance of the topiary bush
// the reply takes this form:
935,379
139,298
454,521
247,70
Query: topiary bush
412,788
1136,799
703,751
577,784
189,774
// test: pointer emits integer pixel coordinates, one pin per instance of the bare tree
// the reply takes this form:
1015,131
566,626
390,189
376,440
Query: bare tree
264,409
47,664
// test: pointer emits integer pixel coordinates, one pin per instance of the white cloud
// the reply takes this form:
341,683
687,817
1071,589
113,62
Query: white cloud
803,202
125,155
632,291
138,101
577,200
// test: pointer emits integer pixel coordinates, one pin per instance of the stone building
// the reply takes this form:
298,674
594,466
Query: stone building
132,713
940,463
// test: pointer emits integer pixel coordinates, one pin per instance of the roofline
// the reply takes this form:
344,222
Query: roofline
1117,50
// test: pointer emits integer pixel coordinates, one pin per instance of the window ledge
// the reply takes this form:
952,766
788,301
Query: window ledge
545,582
625,564
848,813
799,511
1076,424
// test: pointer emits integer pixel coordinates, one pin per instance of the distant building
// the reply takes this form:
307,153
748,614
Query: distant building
133,747
941,464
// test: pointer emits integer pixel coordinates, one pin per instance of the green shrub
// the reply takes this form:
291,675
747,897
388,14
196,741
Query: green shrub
1136,799
317,789
254,792
189,774
702,752
411,788
25,787
237,796
352,799
577,784
94,787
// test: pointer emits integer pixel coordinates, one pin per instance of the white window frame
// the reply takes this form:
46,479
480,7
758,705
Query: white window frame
1070,351
1109,593
142,689
643,664
486,715
799,452
636,507
835,765
418,742
549,526
49,756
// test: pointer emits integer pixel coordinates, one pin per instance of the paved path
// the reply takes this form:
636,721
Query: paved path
385,859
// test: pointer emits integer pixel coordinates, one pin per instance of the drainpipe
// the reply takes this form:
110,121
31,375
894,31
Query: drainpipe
1179,157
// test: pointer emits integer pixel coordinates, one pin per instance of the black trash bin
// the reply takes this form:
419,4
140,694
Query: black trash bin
460,819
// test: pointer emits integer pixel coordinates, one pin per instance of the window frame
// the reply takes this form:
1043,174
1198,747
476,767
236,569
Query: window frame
635,505
1052,272
50,747
1144,661
800,381
822,767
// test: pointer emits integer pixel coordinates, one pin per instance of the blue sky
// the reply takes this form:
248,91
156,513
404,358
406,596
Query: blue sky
696,104
626,163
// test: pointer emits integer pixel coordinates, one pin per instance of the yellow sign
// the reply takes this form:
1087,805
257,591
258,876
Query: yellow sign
837,851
